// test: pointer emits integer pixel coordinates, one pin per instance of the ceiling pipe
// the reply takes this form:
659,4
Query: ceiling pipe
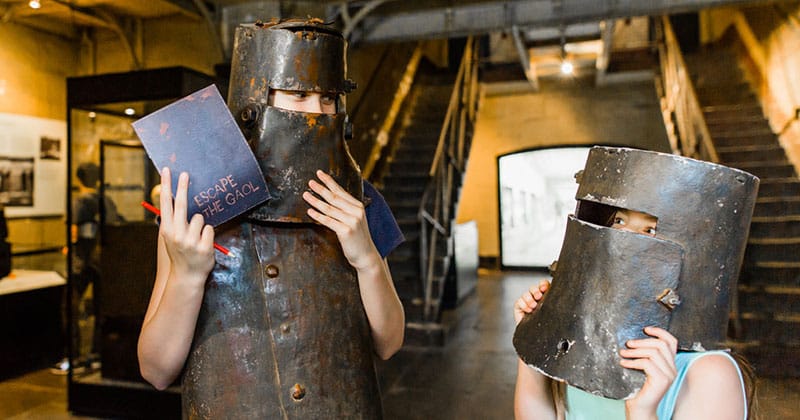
525,59
480,18
350,23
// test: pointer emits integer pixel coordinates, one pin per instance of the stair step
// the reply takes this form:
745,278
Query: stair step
745,118
409,165
393,195
768,206
725,98
752,148
770,273
773,249
393,181
753,153
728,93
744,138
775,226
775,299
778,327
779,187
422,174
767,169
732,112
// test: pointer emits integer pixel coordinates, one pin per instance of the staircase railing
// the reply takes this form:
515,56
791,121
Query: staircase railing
686,125
441,191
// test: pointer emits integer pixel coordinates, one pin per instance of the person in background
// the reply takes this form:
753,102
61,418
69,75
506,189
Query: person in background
85,270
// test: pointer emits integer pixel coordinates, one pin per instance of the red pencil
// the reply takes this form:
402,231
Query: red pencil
153,209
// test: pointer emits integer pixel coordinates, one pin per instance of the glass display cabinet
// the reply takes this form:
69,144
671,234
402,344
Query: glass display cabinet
111,262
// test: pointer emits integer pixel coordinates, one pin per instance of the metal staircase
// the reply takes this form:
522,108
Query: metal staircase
420,180
765,320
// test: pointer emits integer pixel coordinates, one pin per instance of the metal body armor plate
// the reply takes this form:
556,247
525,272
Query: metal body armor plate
703,211
282,331
561,340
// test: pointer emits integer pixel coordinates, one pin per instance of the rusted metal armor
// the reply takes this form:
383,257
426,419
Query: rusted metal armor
609,284
282,331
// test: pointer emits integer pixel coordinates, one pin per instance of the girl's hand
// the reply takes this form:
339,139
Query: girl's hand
530,300
343,214
656,358
190,246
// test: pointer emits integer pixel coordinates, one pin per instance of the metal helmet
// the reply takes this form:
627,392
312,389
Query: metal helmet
292,55
609,284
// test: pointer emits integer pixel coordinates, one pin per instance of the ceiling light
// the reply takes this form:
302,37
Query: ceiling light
567,67
129,111
34,4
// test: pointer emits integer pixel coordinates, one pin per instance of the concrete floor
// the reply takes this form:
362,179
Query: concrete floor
471,377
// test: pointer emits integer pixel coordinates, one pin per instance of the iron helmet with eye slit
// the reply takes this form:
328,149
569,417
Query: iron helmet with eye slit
609,284
301,56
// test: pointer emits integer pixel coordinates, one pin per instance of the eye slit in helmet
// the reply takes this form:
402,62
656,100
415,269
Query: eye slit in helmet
616,217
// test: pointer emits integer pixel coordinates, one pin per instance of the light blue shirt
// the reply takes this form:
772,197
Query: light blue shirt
582,405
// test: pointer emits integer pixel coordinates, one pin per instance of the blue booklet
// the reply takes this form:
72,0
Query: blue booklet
197,134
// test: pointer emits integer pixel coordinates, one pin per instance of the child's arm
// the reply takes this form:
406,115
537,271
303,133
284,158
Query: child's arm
185,258
533,398
342,213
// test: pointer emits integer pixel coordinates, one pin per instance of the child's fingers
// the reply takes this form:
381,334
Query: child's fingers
335,187
664,336
544,286
166,195
180,206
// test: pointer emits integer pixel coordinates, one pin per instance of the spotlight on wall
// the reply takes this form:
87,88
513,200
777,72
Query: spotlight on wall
129,111
34,4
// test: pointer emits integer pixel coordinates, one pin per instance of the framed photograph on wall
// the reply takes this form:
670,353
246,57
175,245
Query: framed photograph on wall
32,170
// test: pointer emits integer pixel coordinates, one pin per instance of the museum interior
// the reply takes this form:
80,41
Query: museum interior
470,117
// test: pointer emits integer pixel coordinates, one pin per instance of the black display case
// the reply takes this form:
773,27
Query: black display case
104,321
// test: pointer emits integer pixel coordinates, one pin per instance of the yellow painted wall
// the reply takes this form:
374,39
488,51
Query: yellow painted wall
33,72
560,114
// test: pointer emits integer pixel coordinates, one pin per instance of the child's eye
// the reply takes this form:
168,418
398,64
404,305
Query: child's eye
618,221
651,231
300,94
328,99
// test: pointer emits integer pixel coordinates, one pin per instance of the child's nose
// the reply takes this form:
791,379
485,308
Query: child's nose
315,105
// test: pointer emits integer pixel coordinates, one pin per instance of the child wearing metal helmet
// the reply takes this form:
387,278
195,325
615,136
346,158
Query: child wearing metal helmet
678,385
290,326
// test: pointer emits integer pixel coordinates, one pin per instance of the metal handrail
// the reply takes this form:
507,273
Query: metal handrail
449,162
683,116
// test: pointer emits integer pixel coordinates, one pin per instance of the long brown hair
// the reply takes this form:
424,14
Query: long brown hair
750,389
